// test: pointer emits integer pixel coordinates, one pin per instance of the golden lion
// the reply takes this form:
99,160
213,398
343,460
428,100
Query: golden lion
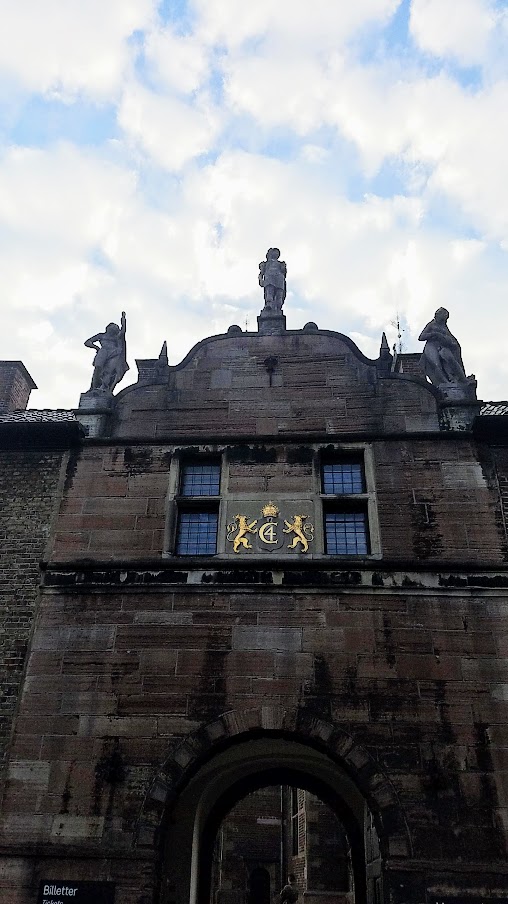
297,528
243,528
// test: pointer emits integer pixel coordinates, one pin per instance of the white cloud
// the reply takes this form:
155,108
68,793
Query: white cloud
314,153
320,23
68,47
278,89
333,247
471,167
63,195
176,62
460,138
169,130
458,29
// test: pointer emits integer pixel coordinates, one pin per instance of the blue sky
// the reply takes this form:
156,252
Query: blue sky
151,152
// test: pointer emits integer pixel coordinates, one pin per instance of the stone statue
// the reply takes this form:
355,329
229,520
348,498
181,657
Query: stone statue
272,278
442,359
110,362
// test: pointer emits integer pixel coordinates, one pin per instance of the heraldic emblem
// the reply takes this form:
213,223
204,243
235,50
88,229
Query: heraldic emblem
238,530
268,532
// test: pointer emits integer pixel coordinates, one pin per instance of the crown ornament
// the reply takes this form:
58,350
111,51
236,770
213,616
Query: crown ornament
270,510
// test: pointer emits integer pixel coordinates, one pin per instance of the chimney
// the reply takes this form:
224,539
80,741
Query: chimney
16,385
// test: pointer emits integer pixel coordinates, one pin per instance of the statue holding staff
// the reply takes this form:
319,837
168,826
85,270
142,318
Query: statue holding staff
110,362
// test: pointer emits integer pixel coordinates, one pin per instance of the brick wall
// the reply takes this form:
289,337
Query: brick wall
249,839
497,458
412,667
28,496
16,385
327,851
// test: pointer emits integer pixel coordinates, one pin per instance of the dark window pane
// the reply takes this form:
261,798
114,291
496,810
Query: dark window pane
346,533
200,480
197,534
343,477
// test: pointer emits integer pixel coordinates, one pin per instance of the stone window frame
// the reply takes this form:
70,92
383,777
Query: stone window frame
365,501
177,503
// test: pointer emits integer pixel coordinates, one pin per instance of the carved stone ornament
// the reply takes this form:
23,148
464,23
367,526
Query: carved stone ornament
269,530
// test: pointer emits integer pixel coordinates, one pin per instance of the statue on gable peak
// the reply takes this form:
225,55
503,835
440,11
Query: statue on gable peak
272,279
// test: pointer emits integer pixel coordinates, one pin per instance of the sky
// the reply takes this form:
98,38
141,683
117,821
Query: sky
151,152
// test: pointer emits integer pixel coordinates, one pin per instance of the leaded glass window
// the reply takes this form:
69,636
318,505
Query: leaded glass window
197,533
346,533
200,479
343,477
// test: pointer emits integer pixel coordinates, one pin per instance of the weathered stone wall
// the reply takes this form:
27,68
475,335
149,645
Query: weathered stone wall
142,665
496,460
116,679
320,383
113,505
28,497
435,499
438,499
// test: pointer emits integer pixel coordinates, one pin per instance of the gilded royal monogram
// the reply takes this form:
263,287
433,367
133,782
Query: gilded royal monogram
269,531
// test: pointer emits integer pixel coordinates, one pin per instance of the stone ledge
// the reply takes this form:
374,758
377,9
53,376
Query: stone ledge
307,575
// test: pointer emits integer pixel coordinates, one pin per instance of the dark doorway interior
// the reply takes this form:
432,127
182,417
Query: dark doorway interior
259,886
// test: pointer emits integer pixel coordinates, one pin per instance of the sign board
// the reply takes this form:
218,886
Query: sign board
64,891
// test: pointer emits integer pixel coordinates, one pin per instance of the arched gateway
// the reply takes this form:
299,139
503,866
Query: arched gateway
241,752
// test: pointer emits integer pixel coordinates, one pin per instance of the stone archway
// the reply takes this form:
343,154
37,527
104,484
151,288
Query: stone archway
220,762
306,777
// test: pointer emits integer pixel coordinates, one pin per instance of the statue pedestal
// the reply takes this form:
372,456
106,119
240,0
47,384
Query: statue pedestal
94,410
96,400
458,392
271,323
459,415
458,405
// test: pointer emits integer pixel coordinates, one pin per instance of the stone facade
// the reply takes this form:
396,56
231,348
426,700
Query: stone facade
163,685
